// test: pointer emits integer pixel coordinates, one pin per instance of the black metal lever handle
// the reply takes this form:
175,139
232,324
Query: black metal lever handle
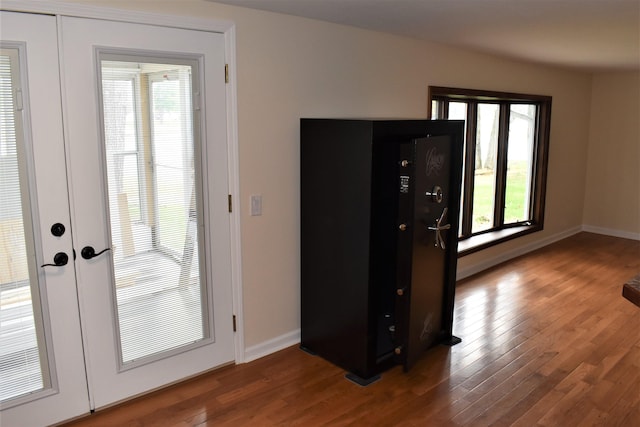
59,260
88,252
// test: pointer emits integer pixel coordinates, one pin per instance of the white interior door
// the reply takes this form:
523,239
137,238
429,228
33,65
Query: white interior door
42,373
146,133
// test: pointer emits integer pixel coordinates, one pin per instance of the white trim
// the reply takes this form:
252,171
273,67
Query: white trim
271,346
234,189
225,27
506,256
611,232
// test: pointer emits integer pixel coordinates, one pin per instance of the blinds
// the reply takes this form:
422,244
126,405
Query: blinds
20,356
153,205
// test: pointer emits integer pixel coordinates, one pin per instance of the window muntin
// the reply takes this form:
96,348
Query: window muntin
504,167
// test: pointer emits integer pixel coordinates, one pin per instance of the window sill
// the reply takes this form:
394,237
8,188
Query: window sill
486,240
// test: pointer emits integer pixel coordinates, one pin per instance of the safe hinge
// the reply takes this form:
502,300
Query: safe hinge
230,204
226,73
234,323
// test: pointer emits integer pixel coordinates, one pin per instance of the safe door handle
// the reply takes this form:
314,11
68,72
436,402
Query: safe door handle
88,252
438,229
60,259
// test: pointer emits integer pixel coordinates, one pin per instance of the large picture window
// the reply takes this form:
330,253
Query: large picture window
505,162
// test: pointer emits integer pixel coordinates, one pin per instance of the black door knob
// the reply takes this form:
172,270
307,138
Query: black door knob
59,260
57,229
88,252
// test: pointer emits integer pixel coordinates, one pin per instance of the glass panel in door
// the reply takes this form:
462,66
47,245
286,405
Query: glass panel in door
153,207
23,367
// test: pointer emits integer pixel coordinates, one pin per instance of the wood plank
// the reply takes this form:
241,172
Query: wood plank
631,290
548,339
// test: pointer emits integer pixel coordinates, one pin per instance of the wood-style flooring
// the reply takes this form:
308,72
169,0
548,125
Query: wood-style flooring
547,339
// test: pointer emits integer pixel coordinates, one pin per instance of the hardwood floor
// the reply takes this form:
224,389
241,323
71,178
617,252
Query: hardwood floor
547,339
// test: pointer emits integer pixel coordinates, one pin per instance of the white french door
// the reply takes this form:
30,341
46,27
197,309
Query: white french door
145,195
156,307
39,306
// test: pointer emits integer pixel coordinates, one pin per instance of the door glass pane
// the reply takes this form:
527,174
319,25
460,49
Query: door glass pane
22,350
485,167
153,206
522,124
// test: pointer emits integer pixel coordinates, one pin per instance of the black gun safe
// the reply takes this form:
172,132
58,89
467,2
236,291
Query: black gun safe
379,226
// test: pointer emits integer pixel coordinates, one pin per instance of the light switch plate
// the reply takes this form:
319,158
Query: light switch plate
256,205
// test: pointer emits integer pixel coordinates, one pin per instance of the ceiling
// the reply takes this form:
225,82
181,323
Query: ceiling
590,35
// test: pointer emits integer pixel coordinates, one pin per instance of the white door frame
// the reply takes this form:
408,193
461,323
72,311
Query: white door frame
228,29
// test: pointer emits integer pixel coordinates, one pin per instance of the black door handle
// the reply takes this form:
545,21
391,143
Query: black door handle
88,252
59,260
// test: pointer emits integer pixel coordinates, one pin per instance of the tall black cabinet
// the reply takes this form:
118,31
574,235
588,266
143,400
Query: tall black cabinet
379,226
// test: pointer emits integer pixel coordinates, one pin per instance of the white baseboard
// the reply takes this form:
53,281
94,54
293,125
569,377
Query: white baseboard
271,346
611,232
292,338
506,256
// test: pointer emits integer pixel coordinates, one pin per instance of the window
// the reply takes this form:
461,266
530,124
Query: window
120,87
505,162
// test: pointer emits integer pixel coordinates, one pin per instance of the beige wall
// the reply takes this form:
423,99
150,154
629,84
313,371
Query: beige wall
612,200
290,68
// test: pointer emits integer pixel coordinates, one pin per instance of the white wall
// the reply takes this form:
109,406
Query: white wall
291,67
612,202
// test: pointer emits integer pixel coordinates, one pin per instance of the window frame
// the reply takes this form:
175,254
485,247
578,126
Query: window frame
500,232
133,76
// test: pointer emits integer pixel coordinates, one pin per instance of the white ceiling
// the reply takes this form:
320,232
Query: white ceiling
587,34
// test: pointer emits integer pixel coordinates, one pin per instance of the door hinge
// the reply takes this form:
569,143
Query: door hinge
196,101
230,204
19,100
234,323
226,73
